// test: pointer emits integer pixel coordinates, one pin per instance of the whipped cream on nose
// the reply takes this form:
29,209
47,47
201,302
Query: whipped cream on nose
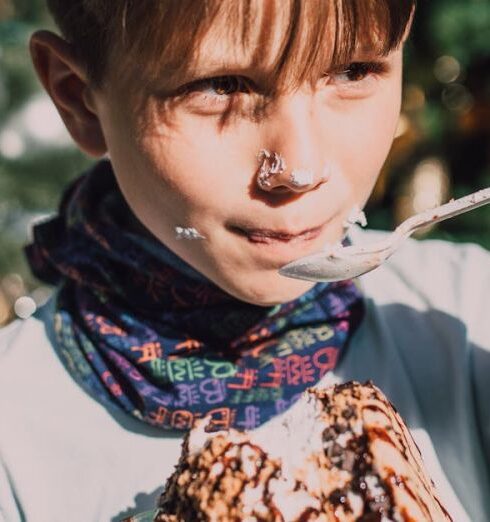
301,177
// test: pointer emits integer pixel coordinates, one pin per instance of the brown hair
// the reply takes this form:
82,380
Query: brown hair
163,35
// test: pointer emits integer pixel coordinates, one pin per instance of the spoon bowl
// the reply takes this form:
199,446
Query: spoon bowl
340,263
343,263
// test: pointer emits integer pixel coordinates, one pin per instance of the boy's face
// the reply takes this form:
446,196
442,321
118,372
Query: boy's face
190,160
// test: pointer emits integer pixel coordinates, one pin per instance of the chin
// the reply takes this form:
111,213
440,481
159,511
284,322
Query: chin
270,290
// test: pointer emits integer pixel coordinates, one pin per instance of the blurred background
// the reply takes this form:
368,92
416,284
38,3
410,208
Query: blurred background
442,149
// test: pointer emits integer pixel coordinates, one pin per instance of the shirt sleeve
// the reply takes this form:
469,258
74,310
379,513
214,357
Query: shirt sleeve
9,508
475,308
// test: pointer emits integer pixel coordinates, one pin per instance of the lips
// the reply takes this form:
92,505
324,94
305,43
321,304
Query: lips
268,236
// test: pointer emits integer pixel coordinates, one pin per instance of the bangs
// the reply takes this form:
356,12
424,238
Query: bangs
293,40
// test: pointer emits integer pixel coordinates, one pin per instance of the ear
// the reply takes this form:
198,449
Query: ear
66,82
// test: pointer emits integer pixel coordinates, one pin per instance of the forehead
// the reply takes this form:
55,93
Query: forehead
251,39
267,36
289,41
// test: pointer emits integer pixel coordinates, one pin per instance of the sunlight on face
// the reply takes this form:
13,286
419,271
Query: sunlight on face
185,155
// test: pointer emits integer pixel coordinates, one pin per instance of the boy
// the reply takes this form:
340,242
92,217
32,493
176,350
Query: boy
239,135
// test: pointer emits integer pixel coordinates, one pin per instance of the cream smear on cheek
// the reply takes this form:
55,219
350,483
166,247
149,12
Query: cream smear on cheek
189,233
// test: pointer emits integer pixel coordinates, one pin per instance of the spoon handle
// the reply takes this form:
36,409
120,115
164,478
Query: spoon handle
446,211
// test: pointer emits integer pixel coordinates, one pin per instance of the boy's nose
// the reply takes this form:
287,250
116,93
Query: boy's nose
292,157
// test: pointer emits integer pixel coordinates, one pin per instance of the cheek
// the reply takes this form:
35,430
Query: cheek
365,138
205,173
158,172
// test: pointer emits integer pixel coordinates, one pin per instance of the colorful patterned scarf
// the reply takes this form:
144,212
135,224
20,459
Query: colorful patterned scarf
141,330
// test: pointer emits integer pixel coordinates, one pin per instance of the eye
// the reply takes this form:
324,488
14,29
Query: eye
216,95
358,71
358,79
219,86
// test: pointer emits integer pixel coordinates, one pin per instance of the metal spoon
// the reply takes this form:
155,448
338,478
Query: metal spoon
351,261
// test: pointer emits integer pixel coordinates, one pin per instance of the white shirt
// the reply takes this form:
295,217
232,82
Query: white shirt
425,341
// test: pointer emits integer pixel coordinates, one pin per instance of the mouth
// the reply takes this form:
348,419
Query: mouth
274,237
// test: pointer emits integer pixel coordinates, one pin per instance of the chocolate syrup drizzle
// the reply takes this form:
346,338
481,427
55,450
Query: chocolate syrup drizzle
181,503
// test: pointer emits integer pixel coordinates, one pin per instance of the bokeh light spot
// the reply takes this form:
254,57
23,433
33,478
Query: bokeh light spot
447,69
24,307
12,145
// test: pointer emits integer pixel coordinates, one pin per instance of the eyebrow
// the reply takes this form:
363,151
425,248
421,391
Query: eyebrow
208,69
204,66
223,67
